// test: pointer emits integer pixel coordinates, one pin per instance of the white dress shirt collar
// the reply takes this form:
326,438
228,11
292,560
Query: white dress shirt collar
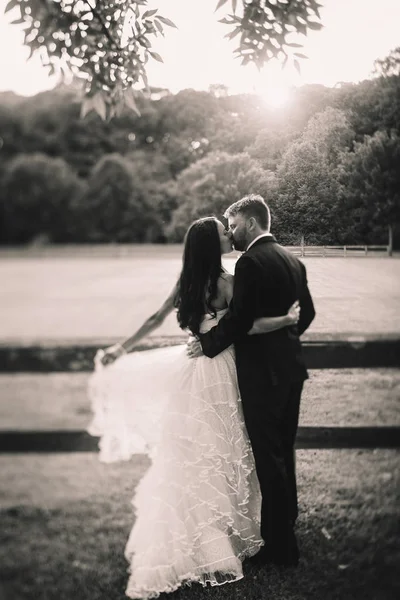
258,238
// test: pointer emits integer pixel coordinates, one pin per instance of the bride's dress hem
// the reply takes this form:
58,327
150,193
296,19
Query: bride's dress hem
187,580
209,577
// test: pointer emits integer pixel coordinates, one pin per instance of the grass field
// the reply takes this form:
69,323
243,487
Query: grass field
85,298
65,520
331,397
66,517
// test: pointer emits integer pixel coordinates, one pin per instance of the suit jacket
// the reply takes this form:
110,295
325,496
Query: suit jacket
268,279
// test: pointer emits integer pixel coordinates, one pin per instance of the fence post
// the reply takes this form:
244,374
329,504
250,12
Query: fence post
390,241
344,251
366,250
302,245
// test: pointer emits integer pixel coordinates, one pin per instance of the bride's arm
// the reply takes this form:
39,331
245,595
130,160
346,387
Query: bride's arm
267,324
151,323
110,354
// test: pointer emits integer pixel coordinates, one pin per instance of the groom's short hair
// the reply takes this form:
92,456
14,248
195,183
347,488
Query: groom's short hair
252,205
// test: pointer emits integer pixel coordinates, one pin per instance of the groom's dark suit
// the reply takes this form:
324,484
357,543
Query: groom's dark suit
271,372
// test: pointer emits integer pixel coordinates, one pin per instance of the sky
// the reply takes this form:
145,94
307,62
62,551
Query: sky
355,33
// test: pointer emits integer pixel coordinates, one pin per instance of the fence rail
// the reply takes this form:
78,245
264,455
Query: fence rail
354,352
48,442
329,251
360,352
142,250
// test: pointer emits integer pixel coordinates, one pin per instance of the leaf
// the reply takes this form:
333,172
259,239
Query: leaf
130,102
144,42
117,110
149,13
18,21
146,82
301,28
233,33
96,103
316,6
300,55
99,105
86,106
156,56
297,66
234,4
159,27
293,45
314,25
220,3
32,50
12,4
166,21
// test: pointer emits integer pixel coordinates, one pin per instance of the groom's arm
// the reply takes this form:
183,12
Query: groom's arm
240,316
307,310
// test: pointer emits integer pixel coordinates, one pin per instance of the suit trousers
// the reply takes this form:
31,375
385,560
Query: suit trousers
271,415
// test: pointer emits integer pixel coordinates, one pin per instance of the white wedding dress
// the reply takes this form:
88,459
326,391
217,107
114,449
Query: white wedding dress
198,505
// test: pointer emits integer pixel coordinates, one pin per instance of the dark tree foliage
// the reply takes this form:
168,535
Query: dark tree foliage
328,165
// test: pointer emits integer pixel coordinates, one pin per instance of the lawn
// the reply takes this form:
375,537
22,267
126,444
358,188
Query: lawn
65,521
331,397
66,517
67,298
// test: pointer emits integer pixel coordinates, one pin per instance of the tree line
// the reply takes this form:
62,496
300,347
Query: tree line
328,163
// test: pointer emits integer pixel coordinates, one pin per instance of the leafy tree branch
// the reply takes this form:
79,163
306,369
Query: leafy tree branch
109,42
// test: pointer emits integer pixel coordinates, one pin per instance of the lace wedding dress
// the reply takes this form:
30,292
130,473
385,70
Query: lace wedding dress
198,506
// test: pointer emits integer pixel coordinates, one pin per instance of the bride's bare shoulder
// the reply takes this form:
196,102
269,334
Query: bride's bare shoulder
225,285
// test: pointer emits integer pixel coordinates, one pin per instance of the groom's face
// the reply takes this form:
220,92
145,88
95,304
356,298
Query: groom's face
238,232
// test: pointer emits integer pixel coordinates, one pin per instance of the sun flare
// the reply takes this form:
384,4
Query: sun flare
275,96
275,85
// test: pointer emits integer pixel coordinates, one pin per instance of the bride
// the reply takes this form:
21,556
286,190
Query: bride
197,507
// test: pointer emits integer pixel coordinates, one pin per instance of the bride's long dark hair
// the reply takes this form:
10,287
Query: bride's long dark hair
197,285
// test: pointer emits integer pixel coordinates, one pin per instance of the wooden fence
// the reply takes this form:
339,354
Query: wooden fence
334,353
139,250
340,251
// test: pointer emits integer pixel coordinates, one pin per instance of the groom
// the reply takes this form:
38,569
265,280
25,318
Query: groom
270,367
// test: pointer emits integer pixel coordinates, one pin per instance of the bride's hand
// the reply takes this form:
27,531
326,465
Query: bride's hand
193,348
294,313
109,355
